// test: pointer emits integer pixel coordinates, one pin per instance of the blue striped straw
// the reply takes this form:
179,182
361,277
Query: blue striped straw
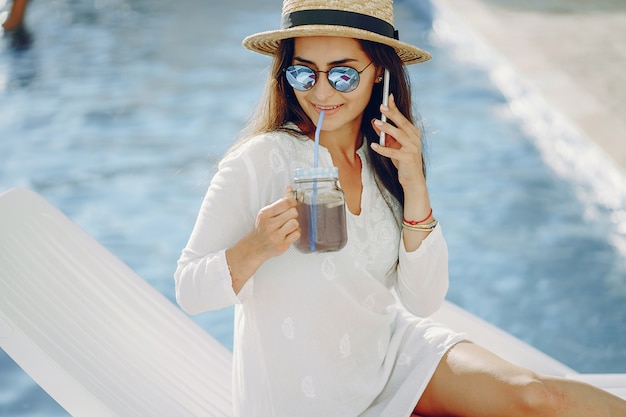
318,129
313,217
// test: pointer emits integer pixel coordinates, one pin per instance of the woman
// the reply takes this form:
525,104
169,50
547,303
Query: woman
321,334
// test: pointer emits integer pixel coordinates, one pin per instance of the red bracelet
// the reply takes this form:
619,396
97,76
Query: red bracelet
413,222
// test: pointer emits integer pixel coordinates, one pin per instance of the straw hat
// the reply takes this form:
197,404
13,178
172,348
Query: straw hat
360,19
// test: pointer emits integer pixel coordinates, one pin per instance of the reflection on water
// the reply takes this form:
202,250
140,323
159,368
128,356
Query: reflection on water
119,110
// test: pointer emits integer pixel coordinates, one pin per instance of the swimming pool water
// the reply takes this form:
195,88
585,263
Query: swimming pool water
119,110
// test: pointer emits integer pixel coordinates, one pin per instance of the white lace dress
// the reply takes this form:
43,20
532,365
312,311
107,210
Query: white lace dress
319,334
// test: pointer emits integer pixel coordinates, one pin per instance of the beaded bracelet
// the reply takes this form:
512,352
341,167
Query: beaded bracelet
413,222
421,227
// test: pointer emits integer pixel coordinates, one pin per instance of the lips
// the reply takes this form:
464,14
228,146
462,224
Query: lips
326,108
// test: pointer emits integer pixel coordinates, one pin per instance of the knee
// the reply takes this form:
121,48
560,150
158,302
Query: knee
534,396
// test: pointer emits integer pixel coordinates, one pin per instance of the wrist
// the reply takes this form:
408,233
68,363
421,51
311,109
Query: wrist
416,189
416,204
243,261
410,222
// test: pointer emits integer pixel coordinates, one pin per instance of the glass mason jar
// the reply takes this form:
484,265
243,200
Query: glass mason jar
321,210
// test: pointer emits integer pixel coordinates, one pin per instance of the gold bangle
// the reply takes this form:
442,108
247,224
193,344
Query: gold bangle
421,227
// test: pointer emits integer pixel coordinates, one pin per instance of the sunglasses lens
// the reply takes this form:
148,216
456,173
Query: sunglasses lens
300,77
344,79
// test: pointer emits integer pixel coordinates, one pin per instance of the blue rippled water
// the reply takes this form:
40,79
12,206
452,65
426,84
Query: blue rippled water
120,108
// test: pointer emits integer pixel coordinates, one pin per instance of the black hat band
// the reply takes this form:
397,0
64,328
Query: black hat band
339,18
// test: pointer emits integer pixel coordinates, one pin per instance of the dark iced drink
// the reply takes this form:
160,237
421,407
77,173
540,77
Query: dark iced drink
323,225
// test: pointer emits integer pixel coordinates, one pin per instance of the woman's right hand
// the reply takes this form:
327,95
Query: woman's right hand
275,229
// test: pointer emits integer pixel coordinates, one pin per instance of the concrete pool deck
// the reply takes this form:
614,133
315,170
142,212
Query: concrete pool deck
573,53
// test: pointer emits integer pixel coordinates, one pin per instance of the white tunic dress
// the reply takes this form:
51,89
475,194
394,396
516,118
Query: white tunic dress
319,334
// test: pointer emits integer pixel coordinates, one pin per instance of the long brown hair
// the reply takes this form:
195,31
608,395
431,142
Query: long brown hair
279,105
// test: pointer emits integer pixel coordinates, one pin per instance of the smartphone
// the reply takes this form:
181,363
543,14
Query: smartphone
385,103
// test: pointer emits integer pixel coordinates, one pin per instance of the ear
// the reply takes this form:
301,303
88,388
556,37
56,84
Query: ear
379,75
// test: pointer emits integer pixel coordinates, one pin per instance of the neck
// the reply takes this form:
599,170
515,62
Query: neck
343,143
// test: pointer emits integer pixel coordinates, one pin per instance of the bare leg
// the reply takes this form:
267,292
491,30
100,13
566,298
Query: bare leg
16,15
471,381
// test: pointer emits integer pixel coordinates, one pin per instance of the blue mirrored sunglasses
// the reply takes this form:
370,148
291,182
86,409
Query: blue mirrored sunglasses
343,79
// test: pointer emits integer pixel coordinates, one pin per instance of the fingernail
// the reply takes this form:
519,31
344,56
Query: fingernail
378,123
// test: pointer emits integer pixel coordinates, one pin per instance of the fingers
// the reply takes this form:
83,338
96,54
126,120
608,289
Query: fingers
387,151
277,225
291,233
404,131
289,192
291,228
277,214
405,148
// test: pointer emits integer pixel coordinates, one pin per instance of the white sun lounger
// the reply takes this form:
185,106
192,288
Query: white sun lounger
103,342
97,337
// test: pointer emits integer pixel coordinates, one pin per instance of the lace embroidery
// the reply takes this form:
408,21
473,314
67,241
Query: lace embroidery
288,328
329,270
344,346
307,387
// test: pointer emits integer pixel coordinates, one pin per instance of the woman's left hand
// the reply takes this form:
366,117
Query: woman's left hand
403,145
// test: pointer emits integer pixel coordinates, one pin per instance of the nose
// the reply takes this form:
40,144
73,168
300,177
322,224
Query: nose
322,88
